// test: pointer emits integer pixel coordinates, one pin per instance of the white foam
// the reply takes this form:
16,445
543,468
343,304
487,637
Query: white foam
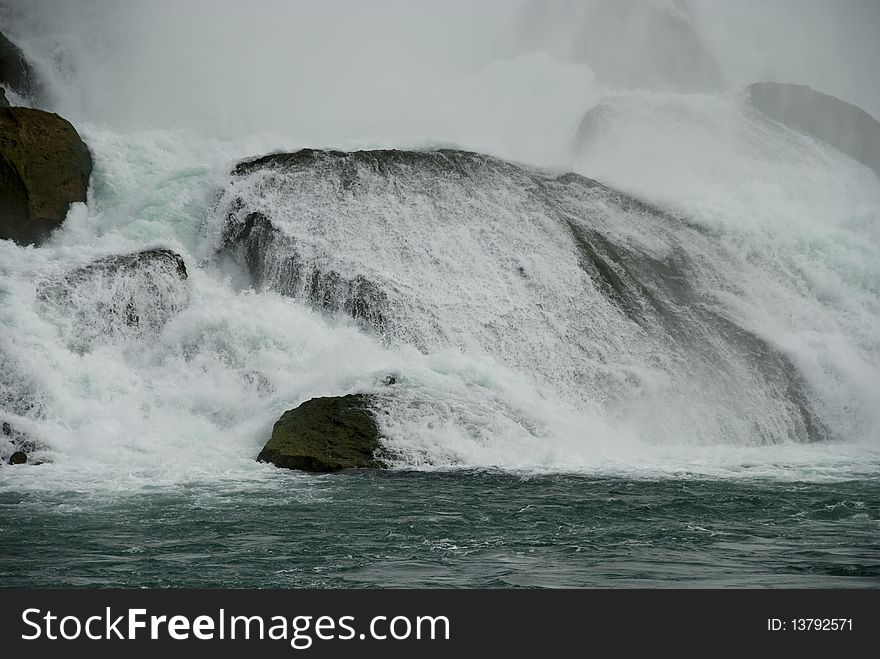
168,106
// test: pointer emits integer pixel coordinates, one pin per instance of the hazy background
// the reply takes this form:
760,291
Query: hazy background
513,77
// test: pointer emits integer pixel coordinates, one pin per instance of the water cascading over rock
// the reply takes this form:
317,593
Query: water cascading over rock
15,71
125,297
843,125
545,273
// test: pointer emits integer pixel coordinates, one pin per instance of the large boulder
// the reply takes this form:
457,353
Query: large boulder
843,125
325,435
44,167
543,272
123,297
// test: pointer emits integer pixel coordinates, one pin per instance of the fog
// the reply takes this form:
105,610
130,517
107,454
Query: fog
512,77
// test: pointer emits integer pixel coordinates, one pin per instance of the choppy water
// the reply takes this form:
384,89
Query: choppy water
459,529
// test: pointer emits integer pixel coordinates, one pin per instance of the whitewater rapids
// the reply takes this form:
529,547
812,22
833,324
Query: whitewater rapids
781,234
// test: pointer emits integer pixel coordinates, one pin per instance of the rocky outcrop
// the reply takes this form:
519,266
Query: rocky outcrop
325,435
843,125
449,248
275,264
118,297
15,71
44,167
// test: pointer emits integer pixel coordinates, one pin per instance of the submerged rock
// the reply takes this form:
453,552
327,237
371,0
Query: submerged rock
44,167
129,296
843,125
325,435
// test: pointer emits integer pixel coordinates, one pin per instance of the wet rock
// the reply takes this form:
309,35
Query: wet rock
325,435
275,263
44,168
18,458
843,125
15,71
453,248
129,296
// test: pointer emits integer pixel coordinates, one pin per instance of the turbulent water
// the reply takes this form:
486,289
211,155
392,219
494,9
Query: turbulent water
467,529
633,323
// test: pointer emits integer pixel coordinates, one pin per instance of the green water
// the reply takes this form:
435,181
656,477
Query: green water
452,529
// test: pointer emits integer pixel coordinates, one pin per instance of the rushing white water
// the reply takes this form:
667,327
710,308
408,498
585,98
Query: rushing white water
168,101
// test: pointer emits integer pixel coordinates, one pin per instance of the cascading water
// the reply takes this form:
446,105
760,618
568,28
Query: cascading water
539,262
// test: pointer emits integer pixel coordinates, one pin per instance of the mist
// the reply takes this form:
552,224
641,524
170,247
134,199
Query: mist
513,78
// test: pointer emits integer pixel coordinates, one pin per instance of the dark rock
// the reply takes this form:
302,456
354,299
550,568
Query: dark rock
325,435
128,296
4,103
44,167
275,264
843,125
16,444
15,71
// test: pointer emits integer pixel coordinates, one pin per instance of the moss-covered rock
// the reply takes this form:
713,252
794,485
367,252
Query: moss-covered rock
44,167
325,435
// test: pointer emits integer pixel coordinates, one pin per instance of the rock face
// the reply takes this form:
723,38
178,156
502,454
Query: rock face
448,248
844,126
325,435
124,297
275,264
44,167
15,71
